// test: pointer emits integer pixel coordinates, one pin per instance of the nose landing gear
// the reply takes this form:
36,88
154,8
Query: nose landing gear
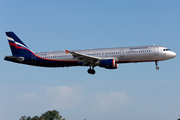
157,68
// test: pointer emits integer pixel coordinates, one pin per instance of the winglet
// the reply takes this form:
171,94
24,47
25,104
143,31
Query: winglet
66,51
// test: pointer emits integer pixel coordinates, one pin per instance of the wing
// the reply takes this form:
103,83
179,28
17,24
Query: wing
86,59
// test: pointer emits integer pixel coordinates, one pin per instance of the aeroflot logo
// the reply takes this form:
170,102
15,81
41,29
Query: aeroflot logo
10,38
19,44
138,48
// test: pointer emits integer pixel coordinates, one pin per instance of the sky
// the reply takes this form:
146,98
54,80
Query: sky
133,91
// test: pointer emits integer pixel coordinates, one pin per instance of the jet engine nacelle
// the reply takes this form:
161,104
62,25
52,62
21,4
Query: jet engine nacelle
115,67
108,64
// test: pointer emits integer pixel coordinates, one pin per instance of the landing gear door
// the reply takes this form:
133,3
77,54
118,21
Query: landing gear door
121,53
156,51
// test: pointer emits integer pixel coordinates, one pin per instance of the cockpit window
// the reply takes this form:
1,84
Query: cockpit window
166,50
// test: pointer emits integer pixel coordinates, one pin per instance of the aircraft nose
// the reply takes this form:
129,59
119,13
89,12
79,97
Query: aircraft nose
173,54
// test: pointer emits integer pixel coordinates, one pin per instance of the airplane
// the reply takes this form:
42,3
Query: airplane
108,58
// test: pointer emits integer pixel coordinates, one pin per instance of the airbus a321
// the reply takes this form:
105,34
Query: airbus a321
108,58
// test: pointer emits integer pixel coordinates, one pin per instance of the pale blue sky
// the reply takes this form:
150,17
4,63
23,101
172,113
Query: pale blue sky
133,91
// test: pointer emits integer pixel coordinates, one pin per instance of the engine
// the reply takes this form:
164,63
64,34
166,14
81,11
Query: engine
108,64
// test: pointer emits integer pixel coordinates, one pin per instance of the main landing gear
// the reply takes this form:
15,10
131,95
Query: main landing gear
91,71
157,68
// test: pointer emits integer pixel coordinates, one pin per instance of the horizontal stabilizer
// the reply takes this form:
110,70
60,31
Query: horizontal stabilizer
12,58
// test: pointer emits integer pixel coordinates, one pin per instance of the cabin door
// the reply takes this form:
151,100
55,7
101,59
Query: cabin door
121,53
33,58
156,51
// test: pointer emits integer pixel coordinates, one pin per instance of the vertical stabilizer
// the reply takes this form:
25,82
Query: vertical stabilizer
16,45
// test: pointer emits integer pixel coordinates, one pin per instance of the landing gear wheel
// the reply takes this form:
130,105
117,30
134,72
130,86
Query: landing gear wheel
157,68
91,71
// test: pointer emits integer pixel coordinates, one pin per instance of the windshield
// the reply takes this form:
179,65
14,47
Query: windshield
166,50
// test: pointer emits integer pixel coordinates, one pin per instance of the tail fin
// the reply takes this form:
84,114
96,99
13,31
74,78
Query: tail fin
16,45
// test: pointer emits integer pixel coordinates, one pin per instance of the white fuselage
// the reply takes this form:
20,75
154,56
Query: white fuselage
121,55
